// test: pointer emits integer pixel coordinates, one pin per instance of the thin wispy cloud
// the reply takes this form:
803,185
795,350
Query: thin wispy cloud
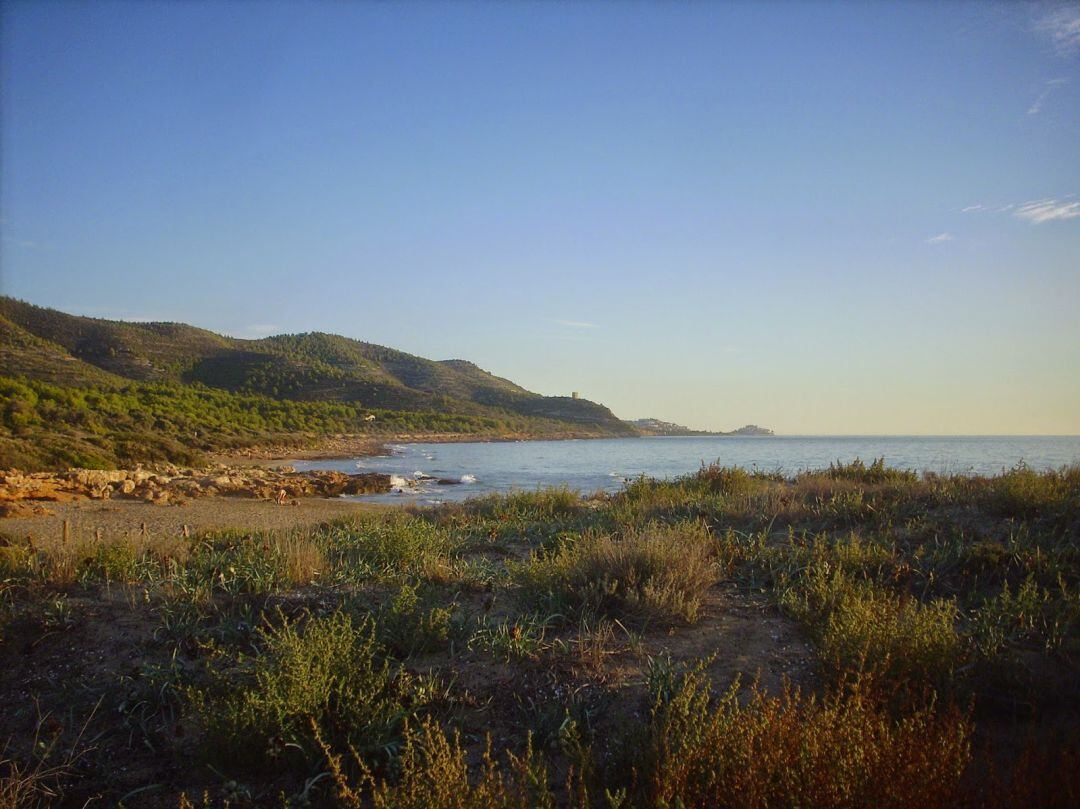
259,330
577,337
1047,210
1062,25
1037,104
26,244
576,324
941,238
1035,211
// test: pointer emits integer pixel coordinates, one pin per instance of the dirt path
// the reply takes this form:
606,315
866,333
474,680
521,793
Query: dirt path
126,517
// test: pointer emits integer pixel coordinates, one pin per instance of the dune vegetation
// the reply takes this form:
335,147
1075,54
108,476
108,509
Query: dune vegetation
856,636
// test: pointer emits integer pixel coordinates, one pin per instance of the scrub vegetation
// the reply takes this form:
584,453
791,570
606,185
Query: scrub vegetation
856,636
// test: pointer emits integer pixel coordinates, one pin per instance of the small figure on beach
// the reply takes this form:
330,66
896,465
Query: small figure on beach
282,496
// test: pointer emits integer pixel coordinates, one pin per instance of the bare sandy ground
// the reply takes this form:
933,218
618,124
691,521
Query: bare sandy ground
127,517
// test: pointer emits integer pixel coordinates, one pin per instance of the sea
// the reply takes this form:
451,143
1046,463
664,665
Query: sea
592,465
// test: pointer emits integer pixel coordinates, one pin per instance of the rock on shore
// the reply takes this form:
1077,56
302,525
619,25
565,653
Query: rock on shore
21,494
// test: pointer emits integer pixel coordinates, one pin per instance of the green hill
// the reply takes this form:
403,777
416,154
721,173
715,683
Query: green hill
101,392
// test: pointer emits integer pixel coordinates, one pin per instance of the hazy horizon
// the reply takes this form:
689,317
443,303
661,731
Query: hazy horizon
825,219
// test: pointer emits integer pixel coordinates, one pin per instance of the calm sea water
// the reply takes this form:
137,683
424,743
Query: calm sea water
605,464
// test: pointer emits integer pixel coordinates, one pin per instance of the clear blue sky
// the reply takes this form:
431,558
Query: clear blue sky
709,213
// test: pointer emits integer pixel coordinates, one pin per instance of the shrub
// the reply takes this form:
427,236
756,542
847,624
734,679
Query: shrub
859,624
409,624
328,671
751,750
435,774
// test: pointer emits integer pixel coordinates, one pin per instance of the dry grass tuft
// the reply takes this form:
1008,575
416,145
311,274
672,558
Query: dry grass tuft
658,572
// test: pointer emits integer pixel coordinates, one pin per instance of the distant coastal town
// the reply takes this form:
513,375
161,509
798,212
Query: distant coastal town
659,427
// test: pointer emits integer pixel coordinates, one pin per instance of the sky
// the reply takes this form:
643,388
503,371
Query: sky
834,218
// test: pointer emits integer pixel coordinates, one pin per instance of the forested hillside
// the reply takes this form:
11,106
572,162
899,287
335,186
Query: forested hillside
83,391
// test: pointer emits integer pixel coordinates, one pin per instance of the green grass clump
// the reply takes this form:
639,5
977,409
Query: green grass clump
330,671
535,518
860,624
393,545
1045,618
905,639
876,473
520,638
524,506
1024,493
234,563
657,572
409,623
729,480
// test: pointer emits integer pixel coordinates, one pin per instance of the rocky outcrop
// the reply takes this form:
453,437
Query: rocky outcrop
170,484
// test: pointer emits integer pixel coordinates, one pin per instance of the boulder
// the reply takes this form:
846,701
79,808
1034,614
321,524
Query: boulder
23,509
367,483
96,478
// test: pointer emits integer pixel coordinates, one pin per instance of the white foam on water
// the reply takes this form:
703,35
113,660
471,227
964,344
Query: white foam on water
468,478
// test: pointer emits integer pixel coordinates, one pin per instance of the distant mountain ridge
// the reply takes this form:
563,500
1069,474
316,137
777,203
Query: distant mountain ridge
658,427
342,376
